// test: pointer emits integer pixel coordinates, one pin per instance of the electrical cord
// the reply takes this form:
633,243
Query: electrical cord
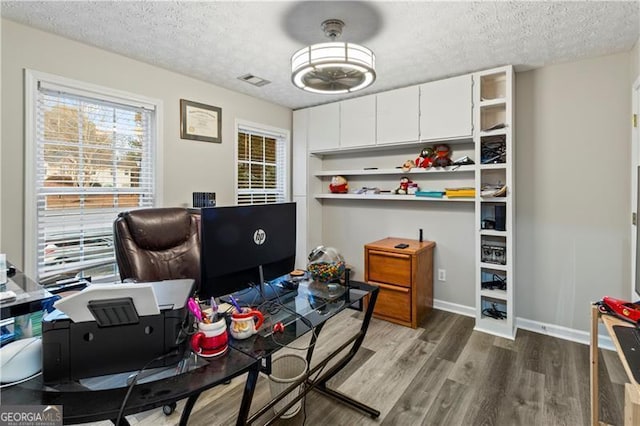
135,381
494,312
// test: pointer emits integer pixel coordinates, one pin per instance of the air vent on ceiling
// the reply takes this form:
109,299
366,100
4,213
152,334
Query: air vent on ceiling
252,79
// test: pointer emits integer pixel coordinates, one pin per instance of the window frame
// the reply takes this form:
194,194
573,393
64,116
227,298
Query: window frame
32,79
265,130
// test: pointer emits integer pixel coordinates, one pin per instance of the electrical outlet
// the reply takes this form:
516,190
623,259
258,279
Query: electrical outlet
442,275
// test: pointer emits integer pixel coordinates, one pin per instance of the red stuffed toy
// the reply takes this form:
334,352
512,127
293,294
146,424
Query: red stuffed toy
425,160
442,156
338,185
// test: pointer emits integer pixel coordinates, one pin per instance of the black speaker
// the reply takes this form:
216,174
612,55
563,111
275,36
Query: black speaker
501,217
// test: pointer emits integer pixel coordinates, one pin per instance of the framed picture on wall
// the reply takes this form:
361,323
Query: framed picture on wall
200,122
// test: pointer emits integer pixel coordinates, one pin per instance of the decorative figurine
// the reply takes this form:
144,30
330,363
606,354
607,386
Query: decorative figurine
403,189
339,185
425,160
408,165
443,154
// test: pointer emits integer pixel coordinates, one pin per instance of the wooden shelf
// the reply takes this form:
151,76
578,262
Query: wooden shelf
414,171
493,166
390,197
493,232
496,132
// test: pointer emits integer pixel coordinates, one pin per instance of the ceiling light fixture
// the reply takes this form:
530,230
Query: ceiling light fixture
334,67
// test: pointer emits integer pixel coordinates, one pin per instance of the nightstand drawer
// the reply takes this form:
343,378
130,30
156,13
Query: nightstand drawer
390,268
393,303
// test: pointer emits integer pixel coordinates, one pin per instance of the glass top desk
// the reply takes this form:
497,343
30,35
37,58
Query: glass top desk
100,398
29,296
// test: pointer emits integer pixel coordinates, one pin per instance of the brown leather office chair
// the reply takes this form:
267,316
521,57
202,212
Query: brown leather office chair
158,244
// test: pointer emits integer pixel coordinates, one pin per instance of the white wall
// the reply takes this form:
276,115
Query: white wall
188,165
573,185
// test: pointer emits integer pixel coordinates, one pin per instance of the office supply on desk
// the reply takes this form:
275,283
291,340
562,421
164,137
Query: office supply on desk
211,339
194,308
70,348
243,324
75,306
20,359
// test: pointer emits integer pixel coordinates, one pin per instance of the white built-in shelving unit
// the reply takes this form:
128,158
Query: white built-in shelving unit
367,139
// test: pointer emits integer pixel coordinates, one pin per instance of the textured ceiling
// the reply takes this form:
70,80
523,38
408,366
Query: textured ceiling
414,42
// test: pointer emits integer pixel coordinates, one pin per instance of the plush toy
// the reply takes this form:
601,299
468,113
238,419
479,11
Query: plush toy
408,165
339,185
426,158
404,186
443,154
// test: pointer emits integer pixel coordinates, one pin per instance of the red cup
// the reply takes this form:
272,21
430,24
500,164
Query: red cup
211,339
243,323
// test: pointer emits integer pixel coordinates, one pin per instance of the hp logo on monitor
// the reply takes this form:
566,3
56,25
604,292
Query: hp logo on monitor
259,237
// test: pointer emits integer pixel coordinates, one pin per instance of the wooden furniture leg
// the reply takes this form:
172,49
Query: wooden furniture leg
631,405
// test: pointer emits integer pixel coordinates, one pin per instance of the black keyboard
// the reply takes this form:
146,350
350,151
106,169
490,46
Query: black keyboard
629,339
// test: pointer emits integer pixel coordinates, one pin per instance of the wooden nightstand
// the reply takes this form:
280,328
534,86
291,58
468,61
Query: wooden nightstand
405,278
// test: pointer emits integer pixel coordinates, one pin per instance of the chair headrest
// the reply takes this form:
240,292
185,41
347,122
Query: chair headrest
159,228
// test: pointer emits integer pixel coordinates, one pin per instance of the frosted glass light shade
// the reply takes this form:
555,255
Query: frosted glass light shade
332,68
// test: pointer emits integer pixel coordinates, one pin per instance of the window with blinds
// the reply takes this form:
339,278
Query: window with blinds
261,167
93,159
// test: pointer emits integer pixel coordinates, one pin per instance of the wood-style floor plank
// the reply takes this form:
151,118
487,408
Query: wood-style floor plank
442,373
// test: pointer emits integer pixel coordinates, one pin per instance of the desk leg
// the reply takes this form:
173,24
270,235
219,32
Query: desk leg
595,414
247,396
188,406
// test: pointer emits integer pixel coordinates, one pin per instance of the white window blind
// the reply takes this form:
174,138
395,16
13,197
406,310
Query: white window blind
93,159
261,168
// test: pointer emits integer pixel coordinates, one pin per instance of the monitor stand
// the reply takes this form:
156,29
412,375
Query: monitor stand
258,295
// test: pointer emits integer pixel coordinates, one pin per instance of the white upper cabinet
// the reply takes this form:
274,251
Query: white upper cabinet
358,122
299,152
398,115
324,127
446,109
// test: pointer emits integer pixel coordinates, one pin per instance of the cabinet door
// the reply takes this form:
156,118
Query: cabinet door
397,115
358,122
324,127
299,152
445,109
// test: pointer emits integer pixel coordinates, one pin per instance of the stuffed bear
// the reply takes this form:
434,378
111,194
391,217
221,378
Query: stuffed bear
425,160
442,156
339,185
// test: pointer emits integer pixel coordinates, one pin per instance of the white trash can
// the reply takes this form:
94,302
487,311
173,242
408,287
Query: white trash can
286,369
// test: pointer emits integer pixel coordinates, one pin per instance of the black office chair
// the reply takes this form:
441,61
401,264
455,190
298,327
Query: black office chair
158,244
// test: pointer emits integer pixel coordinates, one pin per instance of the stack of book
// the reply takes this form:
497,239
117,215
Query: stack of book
460,192
429,193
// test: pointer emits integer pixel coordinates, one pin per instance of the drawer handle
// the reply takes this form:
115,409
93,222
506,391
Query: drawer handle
387,254
391,287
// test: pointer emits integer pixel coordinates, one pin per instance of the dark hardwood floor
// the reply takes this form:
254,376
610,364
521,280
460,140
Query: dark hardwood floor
442,373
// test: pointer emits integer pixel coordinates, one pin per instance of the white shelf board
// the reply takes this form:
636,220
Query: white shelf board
414,171
493,199
495,266
488,103
497,132
493,233
493,166
387,146
495,294
389,197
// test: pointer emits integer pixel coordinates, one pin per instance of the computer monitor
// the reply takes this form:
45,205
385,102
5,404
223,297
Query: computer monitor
243,246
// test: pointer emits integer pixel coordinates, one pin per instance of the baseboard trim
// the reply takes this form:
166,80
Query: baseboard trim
467,311
566,333
561,332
